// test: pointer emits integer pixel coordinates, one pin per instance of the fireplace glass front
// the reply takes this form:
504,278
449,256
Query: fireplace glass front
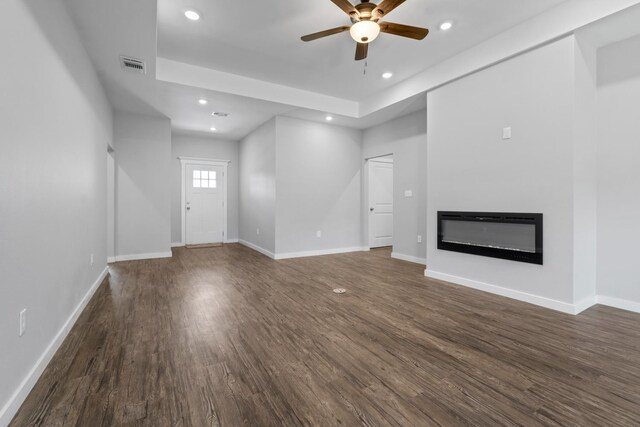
513,236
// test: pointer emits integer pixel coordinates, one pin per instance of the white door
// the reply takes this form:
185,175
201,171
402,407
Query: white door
204,204
380,203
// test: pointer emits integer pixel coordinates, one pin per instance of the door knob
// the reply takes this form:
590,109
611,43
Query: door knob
371,209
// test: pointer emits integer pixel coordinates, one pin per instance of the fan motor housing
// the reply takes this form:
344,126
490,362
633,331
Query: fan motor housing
365,10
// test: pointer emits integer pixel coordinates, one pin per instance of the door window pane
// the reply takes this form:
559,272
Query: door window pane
205,179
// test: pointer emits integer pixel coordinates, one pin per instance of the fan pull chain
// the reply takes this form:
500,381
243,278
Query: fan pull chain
366,64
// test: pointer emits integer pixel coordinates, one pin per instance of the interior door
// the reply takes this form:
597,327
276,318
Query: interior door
204,204
380,203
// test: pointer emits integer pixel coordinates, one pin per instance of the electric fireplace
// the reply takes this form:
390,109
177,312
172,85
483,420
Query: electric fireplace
512,236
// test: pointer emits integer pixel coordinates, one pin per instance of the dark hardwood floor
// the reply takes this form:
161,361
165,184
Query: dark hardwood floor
226,336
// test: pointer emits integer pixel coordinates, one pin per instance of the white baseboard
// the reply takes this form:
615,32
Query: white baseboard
300,254
15,401
409,258
305,254
257,248
585,304
111,260
139,257
182,245
619,303
509,293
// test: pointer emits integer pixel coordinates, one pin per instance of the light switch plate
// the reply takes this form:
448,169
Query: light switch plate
408,193
506,133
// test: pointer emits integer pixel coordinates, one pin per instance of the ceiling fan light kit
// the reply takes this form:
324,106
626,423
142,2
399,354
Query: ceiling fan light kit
365,31
366,25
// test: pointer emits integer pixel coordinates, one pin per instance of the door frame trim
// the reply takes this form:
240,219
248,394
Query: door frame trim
184,162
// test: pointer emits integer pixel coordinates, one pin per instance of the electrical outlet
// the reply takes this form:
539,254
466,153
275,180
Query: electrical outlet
91,259
258,231
23,321
419,239
318,234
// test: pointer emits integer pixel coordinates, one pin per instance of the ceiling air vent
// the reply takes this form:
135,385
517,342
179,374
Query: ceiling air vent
219,114
132,64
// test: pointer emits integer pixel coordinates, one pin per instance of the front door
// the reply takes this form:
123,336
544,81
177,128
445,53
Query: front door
380,203
204,204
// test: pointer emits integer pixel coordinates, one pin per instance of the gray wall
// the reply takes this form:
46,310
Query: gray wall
56,124
406,138
318,186
619,171
186,145
258,187
143,201
470,167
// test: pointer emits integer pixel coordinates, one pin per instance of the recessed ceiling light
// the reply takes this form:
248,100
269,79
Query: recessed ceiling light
387,75
192,15
446,25
328,118
213,129
202,102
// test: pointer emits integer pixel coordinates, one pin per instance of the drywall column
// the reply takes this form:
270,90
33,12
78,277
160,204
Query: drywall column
585,183
258,189
406,138
143,203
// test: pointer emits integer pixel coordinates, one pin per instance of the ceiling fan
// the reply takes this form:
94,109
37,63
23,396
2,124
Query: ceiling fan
366,27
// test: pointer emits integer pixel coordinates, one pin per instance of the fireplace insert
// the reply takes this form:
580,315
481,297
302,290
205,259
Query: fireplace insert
512,236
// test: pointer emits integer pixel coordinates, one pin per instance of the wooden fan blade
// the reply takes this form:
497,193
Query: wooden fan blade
325,33
361,51
404,30
347,7
385,8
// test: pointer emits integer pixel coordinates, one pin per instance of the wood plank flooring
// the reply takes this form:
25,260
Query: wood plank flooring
225,336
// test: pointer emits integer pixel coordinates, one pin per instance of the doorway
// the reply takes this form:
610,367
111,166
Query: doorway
204,201
380,202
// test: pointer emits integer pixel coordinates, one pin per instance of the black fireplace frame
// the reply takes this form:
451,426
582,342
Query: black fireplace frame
499,217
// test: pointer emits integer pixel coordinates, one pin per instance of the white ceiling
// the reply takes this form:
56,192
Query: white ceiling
399,109
111,28
262,40
613,28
